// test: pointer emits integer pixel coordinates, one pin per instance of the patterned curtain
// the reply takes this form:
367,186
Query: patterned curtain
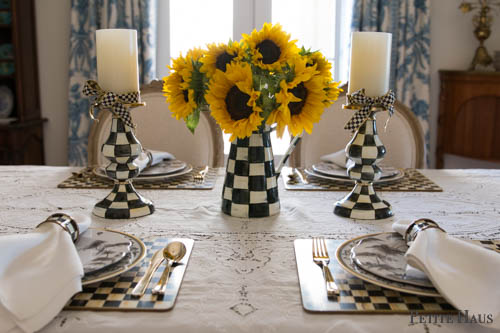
86,17
409,23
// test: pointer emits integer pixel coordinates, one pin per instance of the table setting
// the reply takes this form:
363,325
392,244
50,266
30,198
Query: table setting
347,244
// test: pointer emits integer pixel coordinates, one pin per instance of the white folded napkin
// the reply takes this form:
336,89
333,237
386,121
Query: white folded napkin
465,274
338,158
143,161
39,272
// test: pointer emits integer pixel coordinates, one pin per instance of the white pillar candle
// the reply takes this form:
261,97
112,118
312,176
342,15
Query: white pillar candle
370,62
117,67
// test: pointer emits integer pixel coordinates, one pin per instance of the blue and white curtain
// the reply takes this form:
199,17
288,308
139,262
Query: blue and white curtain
409,23
86,17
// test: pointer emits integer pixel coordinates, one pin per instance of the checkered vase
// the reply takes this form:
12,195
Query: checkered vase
250,187
366,150
121,149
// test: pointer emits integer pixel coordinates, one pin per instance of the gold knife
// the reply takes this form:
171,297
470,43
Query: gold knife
143,283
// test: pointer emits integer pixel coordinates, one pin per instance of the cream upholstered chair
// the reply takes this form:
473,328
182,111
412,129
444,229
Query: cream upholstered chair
403,138
158,130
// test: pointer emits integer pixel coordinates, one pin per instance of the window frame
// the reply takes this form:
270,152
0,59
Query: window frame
247,15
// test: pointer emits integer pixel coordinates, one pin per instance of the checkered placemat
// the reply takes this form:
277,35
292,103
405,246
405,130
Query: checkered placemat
115,294
356,295
413,181
85,178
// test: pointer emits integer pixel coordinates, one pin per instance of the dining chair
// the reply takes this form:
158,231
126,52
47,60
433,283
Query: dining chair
158,130
403,137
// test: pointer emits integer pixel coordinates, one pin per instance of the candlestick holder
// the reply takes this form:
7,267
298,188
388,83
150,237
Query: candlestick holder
366,150
122,148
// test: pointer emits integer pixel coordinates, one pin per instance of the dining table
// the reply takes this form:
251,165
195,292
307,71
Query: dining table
242,273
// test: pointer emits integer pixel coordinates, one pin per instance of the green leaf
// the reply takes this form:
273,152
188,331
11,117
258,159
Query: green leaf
193,119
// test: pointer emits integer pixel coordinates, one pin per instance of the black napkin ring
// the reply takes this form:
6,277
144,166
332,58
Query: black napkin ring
66,222
417,226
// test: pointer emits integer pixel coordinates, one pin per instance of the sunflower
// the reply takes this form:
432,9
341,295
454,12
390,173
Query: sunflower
181,100
299,70
271,47
322,65
332,92
219,55
176,89
233,101
302,105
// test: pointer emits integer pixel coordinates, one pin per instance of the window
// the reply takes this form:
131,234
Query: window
322,25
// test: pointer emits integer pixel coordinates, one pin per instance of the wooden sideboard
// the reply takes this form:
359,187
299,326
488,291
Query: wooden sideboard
21,137
469,115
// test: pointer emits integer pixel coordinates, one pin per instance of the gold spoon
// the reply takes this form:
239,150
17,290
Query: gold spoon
173,253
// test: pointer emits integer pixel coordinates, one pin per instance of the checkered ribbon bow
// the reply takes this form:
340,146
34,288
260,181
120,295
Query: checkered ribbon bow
108,99
359,98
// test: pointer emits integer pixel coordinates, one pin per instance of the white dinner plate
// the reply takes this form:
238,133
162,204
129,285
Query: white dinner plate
133,257
99,171
313,173
100,248
343,255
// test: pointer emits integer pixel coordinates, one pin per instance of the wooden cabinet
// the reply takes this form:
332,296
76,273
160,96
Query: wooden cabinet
469,116
21,138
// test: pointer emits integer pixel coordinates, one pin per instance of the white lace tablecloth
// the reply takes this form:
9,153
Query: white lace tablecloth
242,274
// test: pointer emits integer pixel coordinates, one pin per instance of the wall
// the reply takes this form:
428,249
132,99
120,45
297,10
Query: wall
452,47
53,22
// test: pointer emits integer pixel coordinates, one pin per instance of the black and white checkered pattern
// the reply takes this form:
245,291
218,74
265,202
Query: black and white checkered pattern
250,187
122,148
123,203
366,102
365,149
116,293
108,99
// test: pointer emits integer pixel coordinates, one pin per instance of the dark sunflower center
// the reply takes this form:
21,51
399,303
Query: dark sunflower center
236,104
299,91
186,95
222,60
269,50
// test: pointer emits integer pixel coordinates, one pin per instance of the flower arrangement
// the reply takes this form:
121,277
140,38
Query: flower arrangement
262,79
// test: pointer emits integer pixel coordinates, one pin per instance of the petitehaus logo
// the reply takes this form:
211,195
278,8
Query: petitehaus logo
464,317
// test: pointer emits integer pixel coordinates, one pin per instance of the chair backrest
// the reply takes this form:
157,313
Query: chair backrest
158,130
403,137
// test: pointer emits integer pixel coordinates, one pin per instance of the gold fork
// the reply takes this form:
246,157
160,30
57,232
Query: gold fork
200,176
321,258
